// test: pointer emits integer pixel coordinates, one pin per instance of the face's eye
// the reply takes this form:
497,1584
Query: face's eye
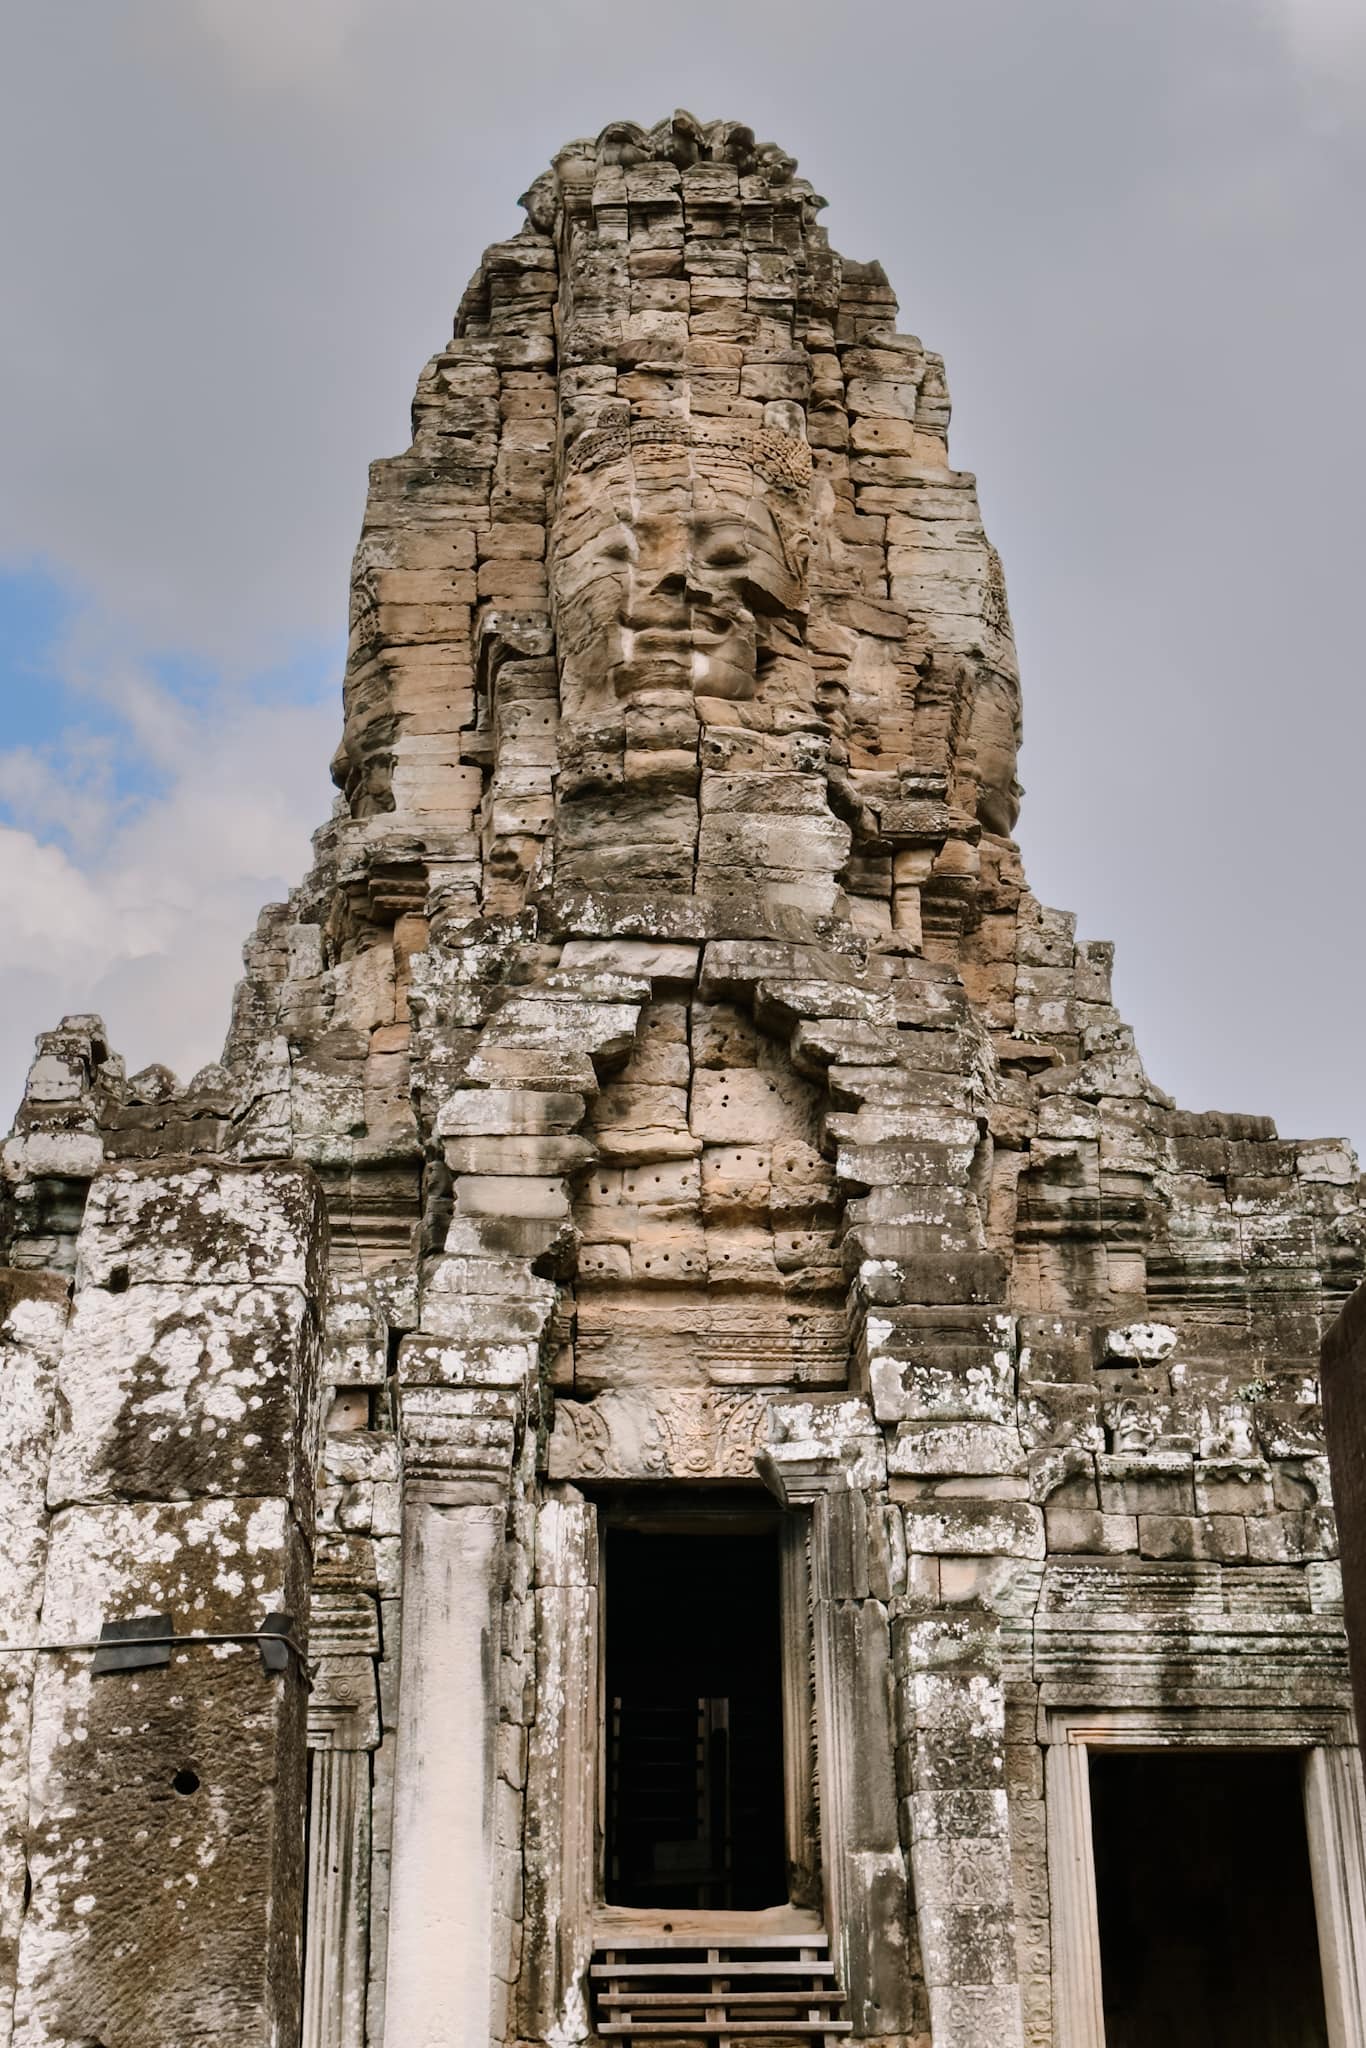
725,554
619,545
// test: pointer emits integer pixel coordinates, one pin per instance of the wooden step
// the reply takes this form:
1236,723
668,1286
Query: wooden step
773,2028
707,1969
800,1995
704,1941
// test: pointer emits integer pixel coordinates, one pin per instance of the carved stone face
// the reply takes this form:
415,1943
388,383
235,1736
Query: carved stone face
674,566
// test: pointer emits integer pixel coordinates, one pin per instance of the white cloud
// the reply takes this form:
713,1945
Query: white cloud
148,929
75,798
1327,36
51,915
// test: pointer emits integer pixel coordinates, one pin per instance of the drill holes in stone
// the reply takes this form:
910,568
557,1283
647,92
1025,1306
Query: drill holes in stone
186,1783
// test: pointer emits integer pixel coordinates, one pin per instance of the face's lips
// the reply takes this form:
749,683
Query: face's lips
643,610
662,642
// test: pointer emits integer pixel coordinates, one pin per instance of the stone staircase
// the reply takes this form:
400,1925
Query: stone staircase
755,1989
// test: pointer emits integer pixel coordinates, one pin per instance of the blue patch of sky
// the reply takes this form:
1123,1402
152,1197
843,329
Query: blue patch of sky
43,709
36,702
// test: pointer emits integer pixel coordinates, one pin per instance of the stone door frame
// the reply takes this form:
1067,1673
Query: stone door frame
1335,1816
801,1817
566,1763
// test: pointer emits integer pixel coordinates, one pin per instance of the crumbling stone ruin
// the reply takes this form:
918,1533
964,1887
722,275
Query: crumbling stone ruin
679,1391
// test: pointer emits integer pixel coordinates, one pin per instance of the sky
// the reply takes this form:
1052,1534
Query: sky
233,231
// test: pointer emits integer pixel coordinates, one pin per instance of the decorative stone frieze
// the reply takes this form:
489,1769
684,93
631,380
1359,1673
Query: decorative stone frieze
680,1434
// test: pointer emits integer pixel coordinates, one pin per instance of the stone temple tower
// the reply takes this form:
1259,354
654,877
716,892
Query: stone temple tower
688,1447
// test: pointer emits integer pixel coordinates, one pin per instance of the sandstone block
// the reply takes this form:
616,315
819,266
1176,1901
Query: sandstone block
744,1105
1084,1529
1232,1486
196,1773
202,1224
174,1392
646,959
507,1112
1221,1537
535,1154
975,1529
1160,1484
504,1196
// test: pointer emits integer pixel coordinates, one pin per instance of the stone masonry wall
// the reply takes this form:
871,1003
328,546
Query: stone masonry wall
163,1465
696,1095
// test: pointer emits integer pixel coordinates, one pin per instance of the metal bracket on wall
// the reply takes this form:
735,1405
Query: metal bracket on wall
144,1642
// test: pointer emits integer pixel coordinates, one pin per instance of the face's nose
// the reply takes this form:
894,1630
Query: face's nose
695,583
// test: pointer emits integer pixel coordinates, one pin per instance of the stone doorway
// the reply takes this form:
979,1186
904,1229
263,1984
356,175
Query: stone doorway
693,1766
1185,1838
1205,1901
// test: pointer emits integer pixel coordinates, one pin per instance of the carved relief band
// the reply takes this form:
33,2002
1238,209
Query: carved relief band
675,1433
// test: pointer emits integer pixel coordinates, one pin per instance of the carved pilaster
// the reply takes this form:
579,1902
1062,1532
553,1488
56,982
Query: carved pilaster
822,1463
343,1727
458,1446
1079,2016
337,1939
562,1768
1334,1811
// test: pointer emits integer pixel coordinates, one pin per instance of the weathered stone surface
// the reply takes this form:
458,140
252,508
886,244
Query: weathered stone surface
33,1314
165,1821
164,1836
1344,1414
697,1099
184,1393
198,1227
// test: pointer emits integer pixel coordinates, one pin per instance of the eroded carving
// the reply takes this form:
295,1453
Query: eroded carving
678,566
676,1433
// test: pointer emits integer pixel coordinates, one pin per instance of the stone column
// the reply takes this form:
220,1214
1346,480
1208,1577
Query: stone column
458,1453
343,1729
1335,1818
1079,2018
562,1771
940,1367
167,1804
867,1906
952,1696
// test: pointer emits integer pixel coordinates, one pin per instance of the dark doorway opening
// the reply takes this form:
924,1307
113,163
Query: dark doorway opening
1207,1929
694,1809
